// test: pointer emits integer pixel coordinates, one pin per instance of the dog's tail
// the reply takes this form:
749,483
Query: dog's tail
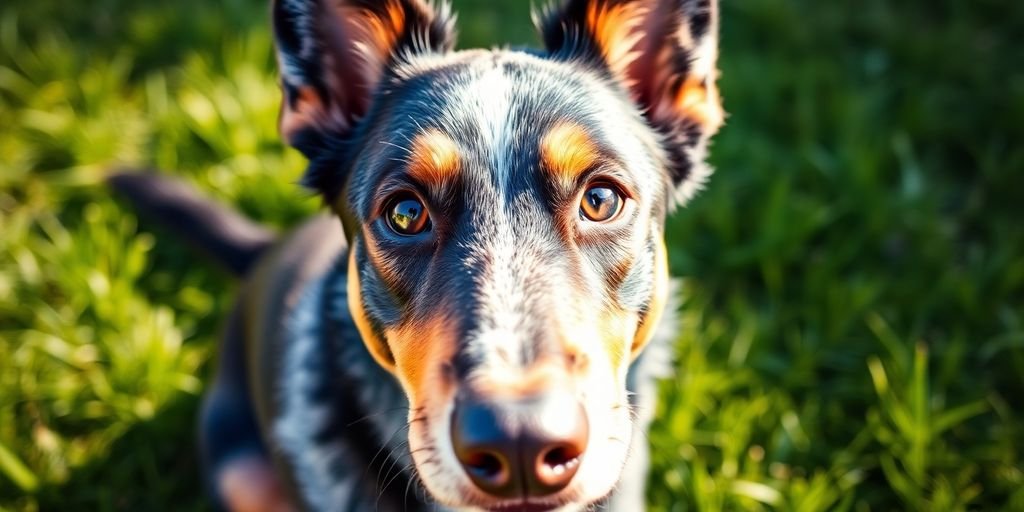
222,234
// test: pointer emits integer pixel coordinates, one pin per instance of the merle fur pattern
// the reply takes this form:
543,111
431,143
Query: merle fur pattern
297,382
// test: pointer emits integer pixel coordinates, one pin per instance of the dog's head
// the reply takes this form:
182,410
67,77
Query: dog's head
506,212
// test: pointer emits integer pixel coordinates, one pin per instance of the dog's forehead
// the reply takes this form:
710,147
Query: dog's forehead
466,86
496,107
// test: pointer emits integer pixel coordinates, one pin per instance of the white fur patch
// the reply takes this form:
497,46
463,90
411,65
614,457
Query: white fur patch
490,105
300,417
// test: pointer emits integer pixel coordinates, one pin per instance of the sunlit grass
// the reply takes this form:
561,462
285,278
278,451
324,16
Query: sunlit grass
852,336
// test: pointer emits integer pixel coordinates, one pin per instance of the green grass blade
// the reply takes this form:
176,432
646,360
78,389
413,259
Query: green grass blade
17,471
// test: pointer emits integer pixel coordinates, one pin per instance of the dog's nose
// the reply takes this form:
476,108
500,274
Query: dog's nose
520,448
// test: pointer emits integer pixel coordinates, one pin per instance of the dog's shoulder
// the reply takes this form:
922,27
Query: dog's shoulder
274,290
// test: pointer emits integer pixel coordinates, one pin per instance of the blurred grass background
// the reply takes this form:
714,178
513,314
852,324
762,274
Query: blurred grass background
853,330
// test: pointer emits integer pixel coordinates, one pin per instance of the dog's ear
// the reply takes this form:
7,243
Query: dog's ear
664,53
332,55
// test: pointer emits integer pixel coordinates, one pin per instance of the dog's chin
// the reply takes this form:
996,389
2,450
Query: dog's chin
442,475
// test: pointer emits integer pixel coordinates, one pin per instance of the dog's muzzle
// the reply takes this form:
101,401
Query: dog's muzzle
523,447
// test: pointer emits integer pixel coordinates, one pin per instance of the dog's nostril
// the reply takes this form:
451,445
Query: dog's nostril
556,466
558,458
485,449
486,465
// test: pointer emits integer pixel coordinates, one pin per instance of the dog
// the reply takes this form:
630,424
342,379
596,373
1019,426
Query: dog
466,329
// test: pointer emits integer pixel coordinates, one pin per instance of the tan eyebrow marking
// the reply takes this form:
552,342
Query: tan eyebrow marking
567,150
433,157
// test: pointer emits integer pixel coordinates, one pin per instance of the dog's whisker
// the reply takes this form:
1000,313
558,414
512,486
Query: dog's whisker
383,447
386,477
422,449
417,123
391,461
376,414
643,432
397,474
396,146
394,459
405,494
415,481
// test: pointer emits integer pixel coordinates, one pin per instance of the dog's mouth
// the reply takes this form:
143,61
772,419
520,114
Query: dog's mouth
526,506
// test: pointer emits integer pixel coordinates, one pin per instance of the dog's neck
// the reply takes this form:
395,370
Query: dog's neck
343,424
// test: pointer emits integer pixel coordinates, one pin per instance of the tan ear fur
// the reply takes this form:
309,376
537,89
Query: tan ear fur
334,53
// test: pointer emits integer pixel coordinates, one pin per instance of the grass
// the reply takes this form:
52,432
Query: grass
853,329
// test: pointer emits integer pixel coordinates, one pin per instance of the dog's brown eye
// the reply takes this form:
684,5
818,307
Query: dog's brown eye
600,203
407,216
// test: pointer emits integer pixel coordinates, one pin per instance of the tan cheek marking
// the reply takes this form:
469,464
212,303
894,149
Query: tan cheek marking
619,271
615,330
384,266
567,150
700,102
420,350
414,351
434,157
659,297
602,339
378,347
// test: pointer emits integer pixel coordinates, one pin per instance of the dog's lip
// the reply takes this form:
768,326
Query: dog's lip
525,506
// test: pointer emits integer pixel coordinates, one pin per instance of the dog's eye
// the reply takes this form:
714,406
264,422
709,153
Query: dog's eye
600,203
407,216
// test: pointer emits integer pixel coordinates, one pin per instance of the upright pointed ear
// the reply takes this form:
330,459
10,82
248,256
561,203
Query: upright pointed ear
333,53
664,53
